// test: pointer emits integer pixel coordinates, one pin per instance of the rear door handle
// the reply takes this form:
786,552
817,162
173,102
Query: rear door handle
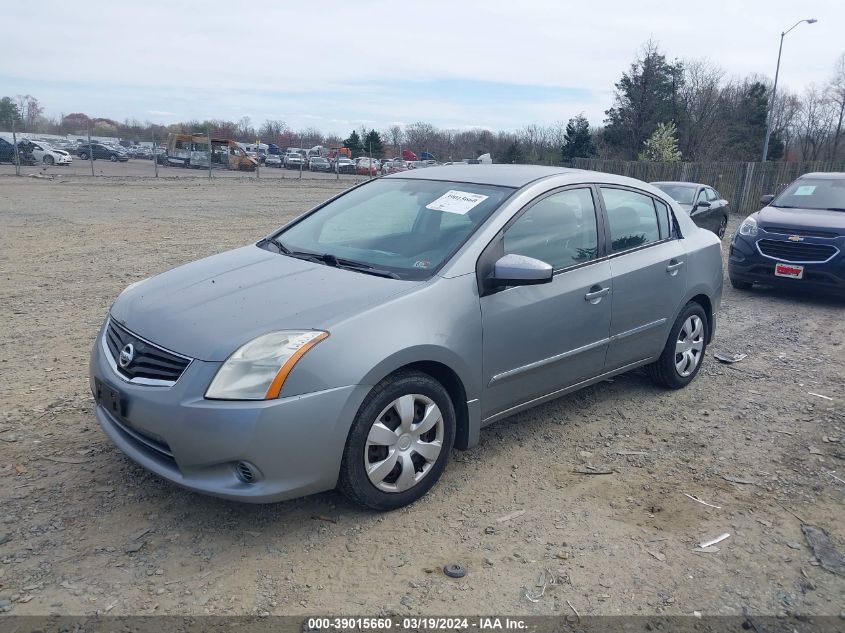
673,267
595,294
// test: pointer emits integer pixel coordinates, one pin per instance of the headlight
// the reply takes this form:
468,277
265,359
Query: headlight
258,370
748,227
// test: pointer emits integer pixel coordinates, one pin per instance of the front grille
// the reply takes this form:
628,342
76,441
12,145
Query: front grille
796,251
150,362
785,230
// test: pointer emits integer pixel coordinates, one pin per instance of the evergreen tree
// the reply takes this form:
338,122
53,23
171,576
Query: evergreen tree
577,141
513,154
353,143
373,145
662,146
9,111
746,123
645,96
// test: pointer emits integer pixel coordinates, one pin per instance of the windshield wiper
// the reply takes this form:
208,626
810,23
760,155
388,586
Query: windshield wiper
348,264
835,209
281,247
331,260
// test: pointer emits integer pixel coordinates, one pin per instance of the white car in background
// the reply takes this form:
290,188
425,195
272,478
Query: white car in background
49,155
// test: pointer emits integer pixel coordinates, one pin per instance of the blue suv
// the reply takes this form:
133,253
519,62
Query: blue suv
796,240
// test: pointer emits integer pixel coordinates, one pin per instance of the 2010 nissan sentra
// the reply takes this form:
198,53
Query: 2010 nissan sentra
357,345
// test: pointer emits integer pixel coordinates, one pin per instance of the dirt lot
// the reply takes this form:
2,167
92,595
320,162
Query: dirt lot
84,530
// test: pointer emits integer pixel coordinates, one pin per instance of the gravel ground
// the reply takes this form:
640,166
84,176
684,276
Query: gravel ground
83,530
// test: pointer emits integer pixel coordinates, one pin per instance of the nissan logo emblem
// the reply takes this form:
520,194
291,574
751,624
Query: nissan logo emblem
127,354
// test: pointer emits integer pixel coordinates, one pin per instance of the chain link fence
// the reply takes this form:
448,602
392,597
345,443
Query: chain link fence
49,156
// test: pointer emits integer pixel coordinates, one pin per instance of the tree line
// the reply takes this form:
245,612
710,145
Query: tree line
662,110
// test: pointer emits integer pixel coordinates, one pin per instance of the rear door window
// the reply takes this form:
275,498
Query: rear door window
664,219
632,218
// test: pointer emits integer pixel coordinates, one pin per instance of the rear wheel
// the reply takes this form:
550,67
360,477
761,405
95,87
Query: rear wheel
83,156
399,442
723,226
681,359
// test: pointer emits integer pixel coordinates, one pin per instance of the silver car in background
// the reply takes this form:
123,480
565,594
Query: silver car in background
356,346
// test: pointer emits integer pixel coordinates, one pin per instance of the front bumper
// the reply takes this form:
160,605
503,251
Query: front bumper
747,264
294,445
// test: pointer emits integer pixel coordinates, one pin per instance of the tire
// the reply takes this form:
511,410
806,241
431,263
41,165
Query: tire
689,333
48,160
740,285
723,226
113,158
83,156
405,400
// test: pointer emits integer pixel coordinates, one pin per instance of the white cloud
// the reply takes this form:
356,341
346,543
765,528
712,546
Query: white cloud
221,59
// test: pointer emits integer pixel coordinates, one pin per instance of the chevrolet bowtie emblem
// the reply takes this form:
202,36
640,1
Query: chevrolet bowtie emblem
795,238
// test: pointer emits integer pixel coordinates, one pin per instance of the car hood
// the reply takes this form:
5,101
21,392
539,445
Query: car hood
210,307
797,219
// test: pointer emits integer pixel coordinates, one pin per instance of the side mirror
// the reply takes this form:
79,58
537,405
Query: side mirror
519,270
703,204
766,200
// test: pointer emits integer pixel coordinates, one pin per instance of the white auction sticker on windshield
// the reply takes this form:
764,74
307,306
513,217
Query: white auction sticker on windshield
805,190
460,202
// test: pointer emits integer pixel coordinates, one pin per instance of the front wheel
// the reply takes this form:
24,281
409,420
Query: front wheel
681,359
48,160
740,285
723,226
83,156
399,442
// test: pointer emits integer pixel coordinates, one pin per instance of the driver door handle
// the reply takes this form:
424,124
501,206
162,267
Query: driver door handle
595,294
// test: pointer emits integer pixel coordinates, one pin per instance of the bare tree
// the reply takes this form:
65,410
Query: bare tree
30,110
272,129
698,96
394,136
816,122
836,93
420,136
245,129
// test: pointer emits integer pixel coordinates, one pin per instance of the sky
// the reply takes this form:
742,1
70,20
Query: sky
341,64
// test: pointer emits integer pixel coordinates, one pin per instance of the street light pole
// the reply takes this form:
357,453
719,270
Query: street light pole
775,87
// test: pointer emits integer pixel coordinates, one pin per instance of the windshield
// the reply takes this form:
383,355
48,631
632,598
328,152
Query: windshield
406,227
813,193
679,193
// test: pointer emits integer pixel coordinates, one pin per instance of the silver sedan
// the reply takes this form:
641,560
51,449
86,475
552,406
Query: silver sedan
359,344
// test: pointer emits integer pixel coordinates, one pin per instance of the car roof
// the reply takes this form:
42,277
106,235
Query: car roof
504,175
824,175
679,182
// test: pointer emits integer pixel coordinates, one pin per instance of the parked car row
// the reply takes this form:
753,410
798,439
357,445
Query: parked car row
95,151
34,153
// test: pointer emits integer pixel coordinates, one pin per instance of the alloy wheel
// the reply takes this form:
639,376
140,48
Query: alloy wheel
723,225
404,443
689,346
